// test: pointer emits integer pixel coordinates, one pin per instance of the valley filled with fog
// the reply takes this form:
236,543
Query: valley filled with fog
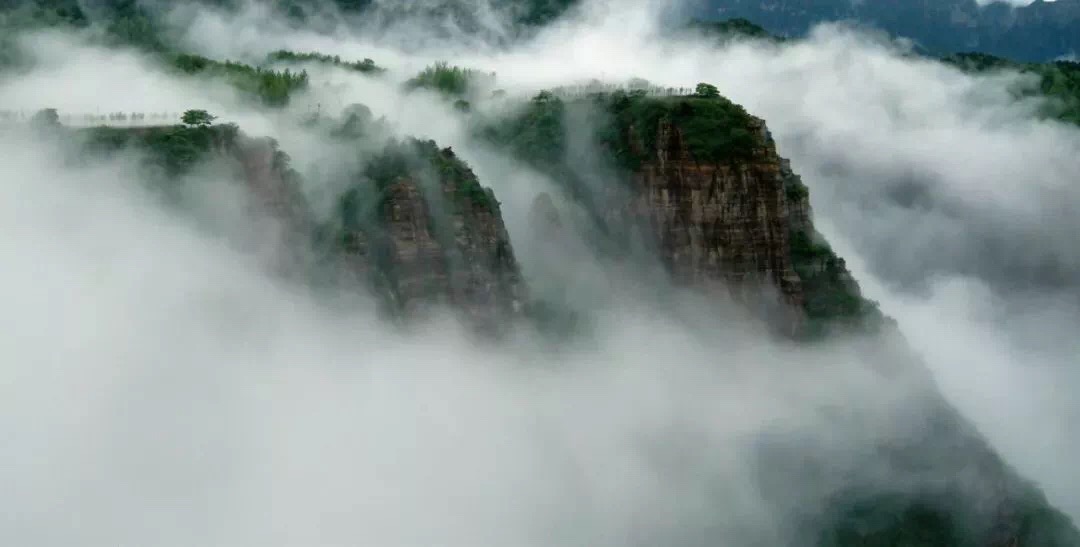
162,387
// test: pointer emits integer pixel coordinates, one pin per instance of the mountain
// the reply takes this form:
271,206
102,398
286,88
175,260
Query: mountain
1040,31
139,23
1055,83
700,181
686,184
414,225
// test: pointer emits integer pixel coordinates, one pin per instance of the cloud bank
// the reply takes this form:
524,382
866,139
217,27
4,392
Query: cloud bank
163,389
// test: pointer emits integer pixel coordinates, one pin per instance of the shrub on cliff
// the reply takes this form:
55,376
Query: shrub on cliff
1059,81
272,88
366,66
166,151
706,91
536,133
197,118
713,128
45,118
451,81
415,159
832,298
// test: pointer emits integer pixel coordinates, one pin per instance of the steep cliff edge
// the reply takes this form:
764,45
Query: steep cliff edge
703,180
419,220
720,226
415,224
700,177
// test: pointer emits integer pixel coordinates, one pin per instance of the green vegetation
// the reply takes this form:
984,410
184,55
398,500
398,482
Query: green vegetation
832,298
126,23
365,208
523,14
456,173
627,125
41,14
9,55
137,30
168,151
706,91
795,191
271,87
197,118
894,520
536,133
714,130
424,156
451,81
47,117
535,12
357,122
415,160
1058,81
367,66
712,127
730,29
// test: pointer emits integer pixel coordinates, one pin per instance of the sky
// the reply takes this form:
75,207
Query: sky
163,389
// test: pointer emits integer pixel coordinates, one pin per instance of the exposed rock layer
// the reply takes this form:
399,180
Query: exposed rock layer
423,233
719,226
434,236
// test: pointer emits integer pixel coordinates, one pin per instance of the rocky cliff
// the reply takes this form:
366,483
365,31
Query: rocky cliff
419,224
719,226
703,180
414,225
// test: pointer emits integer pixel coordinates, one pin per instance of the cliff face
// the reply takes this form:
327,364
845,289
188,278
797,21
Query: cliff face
423,229
719,226
702,179
724,211
741,221
416,226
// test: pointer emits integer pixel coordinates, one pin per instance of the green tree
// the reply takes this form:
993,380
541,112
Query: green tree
706,91
47,117
198,118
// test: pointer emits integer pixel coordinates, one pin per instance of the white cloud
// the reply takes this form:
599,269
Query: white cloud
161,389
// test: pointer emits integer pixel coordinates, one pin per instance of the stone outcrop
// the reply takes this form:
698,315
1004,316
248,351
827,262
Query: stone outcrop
417,226
744,224
273,184
741,224
702,180
719,226
431,236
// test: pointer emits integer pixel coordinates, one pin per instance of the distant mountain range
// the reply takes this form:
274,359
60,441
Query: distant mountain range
1040,31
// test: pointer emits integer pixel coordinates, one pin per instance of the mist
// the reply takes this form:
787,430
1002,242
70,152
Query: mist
164,388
